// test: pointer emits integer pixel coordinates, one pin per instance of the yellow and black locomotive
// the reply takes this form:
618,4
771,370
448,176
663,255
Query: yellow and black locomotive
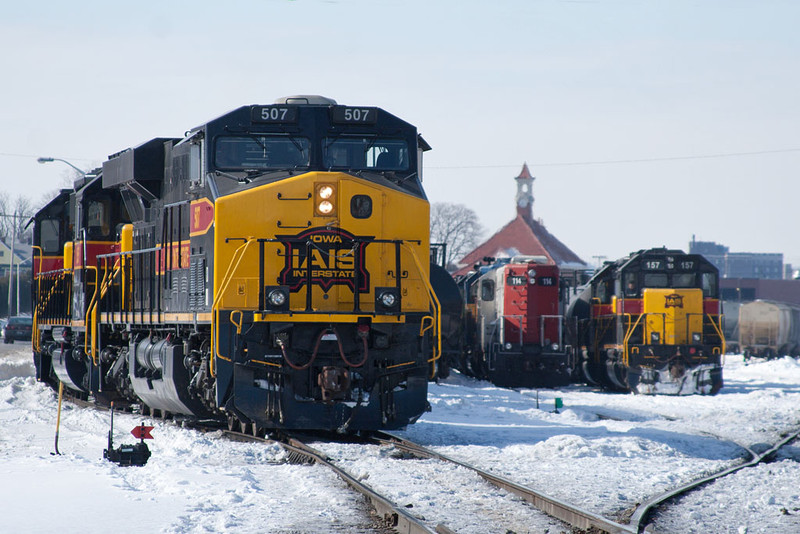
651,323
271,267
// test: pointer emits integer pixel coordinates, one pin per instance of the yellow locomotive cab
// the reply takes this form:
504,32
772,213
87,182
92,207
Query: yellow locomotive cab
335,252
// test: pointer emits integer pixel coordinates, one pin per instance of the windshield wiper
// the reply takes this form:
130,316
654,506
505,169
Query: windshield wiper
240,179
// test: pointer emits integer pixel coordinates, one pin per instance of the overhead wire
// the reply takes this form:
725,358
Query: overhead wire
621,161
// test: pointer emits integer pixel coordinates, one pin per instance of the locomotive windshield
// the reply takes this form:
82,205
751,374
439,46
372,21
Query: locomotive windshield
49,236
708,282
365,153
261,152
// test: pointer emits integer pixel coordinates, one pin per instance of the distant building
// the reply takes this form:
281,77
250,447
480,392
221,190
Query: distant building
740,264
22,253
524,236
747,289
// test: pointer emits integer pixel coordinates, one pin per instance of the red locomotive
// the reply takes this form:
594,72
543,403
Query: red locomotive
514,324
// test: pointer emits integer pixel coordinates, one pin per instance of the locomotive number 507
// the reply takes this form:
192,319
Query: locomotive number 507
273,114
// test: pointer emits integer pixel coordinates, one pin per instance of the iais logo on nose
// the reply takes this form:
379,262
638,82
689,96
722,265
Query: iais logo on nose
334,256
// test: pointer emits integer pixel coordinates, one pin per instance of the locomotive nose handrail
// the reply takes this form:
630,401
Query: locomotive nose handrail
358,245
543,319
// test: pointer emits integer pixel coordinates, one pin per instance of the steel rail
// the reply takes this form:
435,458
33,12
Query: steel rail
553,507
393,516
642,511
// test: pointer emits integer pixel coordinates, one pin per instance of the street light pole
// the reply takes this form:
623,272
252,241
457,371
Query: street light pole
11,261
18,277
49,160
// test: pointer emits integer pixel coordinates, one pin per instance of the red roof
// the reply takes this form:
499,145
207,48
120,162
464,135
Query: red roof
521,237
525,174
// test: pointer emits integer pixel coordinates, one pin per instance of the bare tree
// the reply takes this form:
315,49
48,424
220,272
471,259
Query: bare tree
5,221
24,210
457,226
14,215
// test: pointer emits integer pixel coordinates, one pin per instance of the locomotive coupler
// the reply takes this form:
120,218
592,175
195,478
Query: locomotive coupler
334,381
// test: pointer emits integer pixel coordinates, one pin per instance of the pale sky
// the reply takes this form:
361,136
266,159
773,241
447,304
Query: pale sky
644,122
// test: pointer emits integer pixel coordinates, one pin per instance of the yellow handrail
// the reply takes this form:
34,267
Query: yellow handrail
232,267
628,335
89,307
437,316
91,314
718,328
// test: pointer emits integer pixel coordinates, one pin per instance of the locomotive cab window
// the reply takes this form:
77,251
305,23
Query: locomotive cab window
630,285
602,293
98,217
683,280
365,153
709,284
49,233
261,152
487,290
656,280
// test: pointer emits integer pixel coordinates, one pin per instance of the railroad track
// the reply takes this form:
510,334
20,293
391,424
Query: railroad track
574,516
397,517
642,512
393,516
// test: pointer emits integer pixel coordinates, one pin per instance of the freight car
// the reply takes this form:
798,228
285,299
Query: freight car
769,329
650,323
269,269
514,325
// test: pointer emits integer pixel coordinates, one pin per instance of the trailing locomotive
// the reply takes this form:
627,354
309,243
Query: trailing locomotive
514,325
769,329
270,268
650,323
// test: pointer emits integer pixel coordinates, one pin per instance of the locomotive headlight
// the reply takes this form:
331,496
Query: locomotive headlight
532,276
387,299
508,346
277,298
655,337
696,338
324,203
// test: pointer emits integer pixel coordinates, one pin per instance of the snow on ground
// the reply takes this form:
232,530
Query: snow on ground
607,452
604,452
193,482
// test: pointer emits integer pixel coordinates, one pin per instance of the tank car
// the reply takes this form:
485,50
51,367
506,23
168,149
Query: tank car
514,325
270,269
769,329
651,323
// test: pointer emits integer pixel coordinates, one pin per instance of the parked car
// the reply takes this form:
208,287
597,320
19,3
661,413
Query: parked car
3,327
18,328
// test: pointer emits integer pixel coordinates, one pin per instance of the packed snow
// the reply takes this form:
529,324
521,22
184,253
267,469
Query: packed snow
604,452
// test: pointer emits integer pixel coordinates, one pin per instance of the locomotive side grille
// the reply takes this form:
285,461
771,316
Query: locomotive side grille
197,282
